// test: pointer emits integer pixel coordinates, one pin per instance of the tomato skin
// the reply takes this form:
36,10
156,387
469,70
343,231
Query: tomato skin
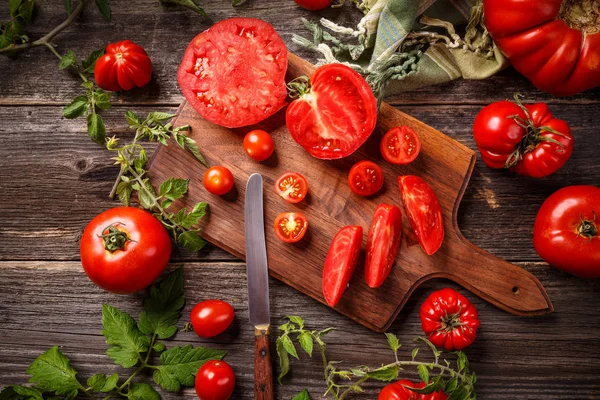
290,227
424,213
340,263
313,5
258,145
398,391
556,235
142,258
123,66
383,243
292,187
336,116
218,180
211,317
365,178
498,136
449,319
400,145
215,380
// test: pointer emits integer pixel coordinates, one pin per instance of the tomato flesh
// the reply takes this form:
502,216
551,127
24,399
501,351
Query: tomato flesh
292,187
215,380
400,145
340,263
218,180
313,5
399,390
290,227
211,317
383,243
233,74
258,145
365,178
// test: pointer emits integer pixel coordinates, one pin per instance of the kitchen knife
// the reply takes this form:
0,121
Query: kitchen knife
258,287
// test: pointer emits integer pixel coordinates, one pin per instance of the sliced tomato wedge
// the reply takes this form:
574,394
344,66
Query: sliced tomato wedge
383,243
233,73
292,187
290,227
400,145
424,212
365,178
340,263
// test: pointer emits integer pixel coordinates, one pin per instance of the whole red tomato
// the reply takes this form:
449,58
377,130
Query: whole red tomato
567,230
398,391
313,5
215,380
211,317
449,319
527,139
124,249
123,66
258,145
554,43
218,180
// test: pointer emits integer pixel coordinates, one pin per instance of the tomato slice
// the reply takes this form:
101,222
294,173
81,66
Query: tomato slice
383,243
424,212
233,74
292,187
290,227
336,116
365,178
340,263
400,145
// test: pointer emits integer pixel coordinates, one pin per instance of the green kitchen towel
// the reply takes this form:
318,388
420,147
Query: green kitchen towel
401,45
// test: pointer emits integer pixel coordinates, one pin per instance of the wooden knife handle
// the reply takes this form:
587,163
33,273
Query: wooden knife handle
263,370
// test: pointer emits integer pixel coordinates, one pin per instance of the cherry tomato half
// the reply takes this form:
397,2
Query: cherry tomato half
383,243
258,145
290,227
215,380
211,317
292,187
123,66
365,178
400,145
218,180
313,5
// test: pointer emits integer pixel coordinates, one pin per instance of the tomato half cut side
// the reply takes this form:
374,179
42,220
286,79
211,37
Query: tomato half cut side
365,178
290,227
340,263
400,145
233,74
383,243
292,187
424,212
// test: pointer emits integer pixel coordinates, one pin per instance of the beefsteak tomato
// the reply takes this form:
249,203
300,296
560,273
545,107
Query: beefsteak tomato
399,391
123,66
383,243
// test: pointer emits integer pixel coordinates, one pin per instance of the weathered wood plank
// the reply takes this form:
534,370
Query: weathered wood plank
547,357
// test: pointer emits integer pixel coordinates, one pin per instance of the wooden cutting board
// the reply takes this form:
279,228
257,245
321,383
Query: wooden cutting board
444,163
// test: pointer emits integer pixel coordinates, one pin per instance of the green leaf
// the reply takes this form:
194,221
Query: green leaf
461,361
146,195
306,342
157,116
384,374
122,334
102,99
100,383
14,7
163,305
180,365
423,373
173,189
288,345
68,60
191,240
67,6
393,341
26,10
104,8
186,3
303,395
13,30
190,144
431,387
296,320
185,219
132,118
284,360
76,108
414,353
124,190
159,347
89,63
23,392
96,129
237,2
451,385
52,372
142,391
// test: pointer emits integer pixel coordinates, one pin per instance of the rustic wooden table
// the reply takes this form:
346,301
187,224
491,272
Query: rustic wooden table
53,180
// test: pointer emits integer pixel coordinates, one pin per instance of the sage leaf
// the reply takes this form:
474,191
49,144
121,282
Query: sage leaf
96,129
191,241
52,372
385,374
67,60
104,8
142,391
122,334
76,108
188,4
303,395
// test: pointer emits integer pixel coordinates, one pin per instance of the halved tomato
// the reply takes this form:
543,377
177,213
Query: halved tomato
340,263
292,187
335,116
383,243
365,178
290,227
400,145
233,73
424,212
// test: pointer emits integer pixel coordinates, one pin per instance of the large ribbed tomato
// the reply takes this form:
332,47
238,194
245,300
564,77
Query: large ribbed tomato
123,66
399,390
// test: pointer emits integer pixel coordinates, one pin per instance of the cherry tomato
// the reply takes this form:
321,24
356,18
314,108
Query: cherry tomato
567,230
211,317
400,145
424,212
123,66
335,116
398,391
365,178
290,227
124,249
215,380
340,263
449,320
313,5
258,145
218,180
383,244
292,187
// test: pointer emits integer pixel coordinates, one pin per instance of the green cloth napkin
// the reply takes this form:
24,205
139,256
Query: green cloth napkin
401,45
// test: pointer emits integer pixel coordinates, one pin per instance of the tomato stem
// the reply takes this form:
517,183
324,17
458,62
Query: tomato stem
114,239
298,87
587,229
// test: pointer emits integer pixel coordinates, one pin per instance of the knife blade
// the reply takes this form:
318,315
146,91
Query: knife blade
258,286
